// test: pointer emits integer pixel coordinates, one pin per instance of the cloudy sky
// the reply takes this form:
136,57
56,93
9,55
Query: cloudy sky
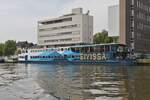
18,18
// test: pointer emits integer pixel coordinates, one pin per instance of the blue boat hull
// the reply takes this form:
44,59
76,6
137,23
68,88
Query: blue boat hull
109,62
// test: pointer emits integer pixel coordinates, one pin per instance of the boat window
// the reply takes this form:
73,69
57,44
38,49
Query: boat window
65,56
73,56
62,49
58,57
61,57
102,49
21,57
76,56
65,48
68,48
107,48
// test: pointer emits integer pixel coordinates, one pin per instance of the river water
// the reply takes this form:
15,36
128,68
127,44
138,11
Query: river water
73,82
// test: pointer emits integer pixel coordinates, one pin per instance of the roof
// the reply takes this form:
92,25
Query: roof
98,45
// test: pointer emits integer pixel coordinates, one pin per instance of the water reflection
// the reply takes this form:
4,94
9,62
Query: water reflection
10,73
73,82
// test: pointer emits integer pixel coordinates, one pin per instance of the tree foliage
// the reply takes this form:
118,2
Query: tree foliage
18,51
1,49
102,37
10,48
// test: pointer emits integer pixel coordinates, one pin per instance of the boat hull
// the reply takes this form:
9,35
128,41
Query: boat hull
109,62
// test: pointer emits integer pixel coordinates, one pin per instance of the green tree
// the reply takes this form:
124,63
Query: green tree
1,49
10,47
102,37
18,51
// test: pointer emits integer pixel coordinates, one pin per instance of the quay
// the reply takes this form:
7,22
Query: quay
143,61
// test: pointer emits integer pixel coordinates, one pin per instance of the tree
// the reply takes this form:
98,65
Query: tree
18,51
1,49
102,37
10,47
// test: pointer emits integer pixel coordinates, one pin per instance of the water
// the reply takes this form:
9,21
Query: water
73,82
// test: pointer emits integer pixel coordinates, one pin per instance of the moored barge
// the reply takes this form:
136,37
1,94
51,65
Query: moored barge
106,54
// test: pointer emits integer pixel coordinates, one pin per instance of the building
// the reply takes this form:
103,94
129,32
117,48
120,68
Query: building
113,20
69,29
135,24
24,44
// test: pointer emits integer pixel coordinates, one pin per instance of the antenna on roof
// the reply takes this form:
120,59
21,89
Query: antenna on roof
88,12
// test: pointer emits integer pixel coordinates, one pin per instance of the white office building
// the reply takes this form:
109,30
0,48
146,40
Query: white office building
69,29
113,20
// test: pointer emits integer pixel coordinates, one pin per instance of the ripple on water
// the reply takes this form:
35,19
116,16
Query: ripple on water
73,82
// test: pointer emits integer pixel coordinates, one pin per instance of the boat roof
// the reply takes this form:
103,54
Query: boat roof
106,44
89,45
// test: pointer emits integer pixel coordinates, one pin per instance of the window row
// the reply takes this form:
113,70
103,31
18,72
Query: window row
55,57
60,34
55,21
50,50
56,40
58,28
143,6
143,16
22,57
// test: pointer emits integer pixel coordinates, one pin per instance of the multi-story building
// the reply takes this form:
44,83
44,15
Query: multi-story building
135,24
69,29
113,20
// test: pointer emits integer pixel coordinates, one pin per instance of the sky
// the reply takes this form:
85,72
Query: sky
18,18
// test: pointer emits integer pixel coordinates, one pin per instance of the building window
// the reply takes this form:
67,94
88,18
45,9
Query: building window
56,21
58,28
